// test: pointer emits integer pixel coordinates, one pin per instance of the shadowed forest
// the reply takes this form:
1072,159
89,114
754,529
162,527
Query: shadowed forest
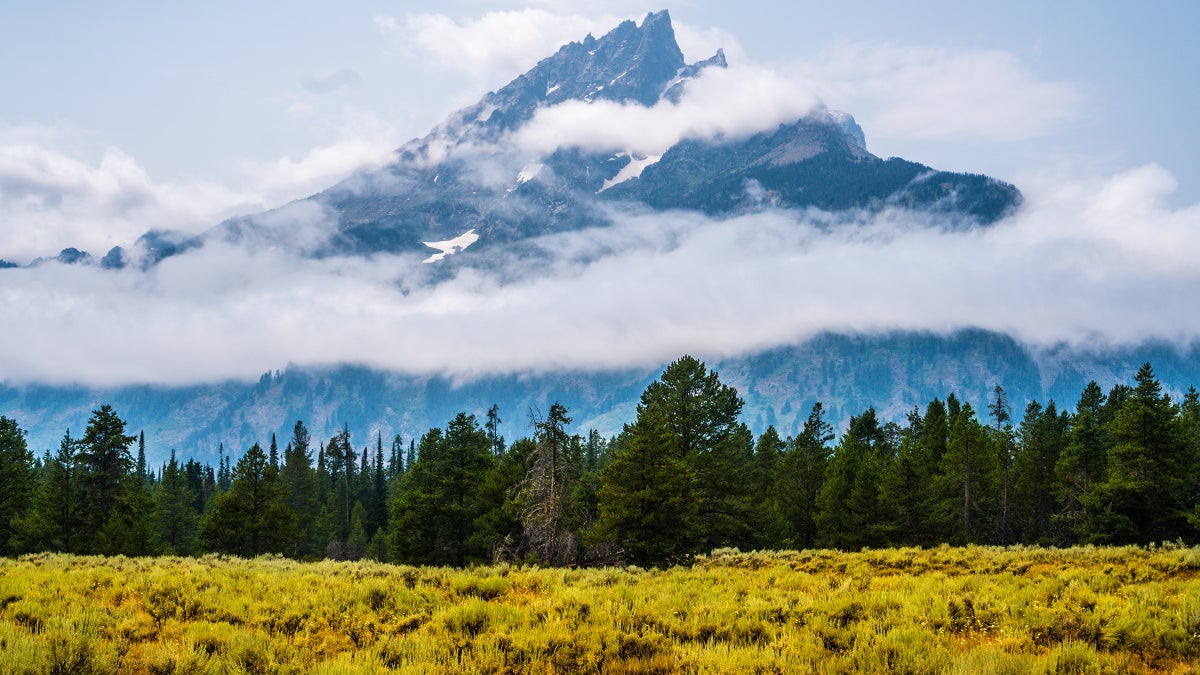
685,477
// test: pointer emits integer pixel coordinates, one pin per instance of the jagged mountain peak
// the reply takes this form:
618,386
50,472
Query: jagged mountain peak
632,63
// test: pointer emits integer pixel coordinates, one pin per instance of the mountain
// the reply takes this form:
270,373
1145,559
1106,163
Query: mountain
468,174
472,174
846,373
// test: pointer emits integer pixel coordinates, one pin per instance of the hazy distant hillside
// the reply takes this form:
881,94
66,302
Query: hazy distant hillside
846,373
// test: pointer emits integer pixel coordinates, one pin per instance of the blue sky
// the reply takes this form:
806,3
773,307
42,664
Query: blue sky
119,117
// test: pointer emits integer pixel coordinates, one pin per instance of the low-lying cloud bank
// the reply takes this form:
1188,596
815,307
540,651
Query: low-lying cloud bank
57,191
1086,262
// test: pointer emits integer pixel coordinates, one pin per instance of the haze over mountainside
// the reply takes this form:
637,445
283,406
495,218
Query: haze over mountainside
497,259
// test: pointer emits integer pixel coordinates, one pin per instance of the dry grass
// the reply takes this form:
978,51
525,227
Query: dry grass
942,610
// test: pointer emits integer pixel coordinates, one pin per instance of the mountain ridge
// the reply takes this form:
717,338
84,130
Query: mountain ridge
847,373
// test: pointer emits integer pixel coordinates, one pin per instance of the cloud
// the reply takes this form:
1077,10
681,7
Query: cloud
60,188
497,45
736,101
325,84
932,93
1090,261
55,193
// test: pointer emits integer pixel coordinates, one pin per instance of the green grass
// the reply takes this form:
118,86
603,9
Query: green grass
942,610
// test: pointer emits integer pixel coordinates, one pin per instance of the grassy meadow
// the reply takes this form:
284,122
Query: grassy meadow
940,610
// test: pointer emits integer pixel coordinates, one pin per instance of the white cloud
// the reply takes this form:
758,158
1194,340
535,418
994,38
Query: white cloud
1088,261
731,102
498,45
933,93
292,178
54,195
60,189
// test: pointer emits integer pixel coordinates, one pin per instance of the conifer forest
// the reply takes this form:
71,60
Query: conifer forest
683,478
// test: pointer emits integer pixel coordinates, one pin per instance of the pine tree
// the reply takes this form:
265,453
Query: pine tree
769,526
177,514
702,414
252,518
105,465
801,473
396,461
16,479
904,493
493,430
1003,440
141,457
377,518
1080,466
1044,434
300,486
1142,498
273,454
224,473
647,499
434,515
54,520
967,483
848,503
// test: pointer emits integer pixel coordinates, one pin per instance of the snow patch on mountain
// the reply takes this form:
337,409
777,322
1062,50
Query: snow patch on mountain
451,246
529,173
637,164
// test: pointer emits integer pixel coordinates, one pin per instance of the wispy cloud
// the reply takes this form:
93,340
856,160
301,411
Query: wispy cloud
330,82
933,93
60,188
732,102
496,46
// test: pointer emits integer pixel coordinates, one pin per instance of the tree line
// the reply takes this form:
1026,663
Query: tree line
686,476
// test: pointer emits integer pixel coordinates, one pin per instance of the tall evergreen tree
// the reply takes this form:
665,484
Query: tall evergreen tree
16,479
1142,498
1043,436
54,519
848,503
224,472
1004,442
141,457
493,430
105,465
396,461
801,473
177,514
967,483
252,518
647,496
302,494
702,413
434,515
377,518
904,492
1080,466
769,526
273,453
